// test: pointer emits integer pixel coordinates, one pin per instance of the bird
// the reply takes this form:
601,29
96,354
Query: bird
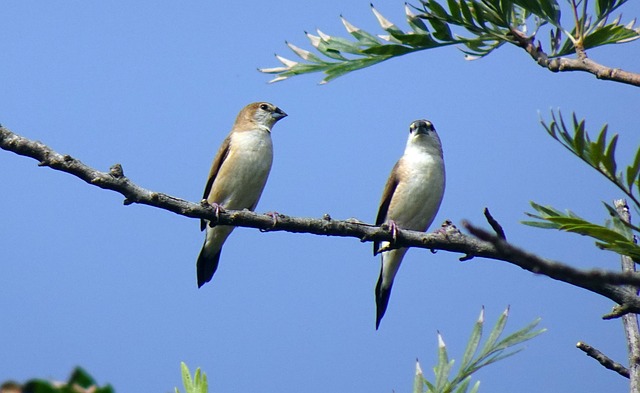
237,178
410,200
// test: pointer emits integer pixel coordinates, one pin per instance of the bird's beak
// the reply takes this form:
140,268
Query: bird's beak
420,127
422,130
278,114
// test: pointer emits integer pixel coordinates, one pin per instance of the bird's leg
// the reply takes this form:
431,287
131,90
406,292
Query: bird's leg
393,228
217,209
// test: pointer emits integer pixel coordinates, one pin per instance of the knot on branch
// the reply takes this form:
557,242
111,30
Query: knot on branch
116,171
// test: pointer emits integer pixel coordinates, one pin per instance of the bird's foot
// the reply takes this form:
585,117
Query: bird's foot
274,217
217,209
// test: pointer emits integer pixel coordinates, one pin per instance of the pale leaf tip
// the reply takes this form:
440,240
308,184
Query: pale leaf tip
350,28
288,63
315,40
407,11
418,368
278,79
273,70
322,35
441,343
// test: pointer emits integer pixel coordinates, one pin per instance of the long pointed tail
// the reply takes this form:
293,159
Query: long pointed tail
206,266
382,298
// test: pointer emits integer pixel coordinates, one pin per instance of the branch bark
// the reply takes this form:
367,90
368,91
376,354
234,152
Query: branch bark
603,359
582,63
630,321
612,285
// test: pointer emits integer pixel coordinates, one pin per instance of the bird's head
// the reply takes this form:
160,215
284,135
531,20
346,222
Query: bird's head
422,133
262,114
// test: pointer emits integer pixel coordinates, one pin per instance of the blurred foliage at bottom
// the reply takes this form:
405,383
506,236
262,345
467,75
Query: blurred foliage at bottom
79,382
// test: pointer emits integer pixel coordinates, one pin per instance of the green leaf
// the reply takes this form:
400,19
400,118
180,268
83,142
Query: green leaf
601,144
464,385
616,237
609,34
496,332
609,158
438,10
418,381
548,10
454,9
578,140
540,224
466,13
388,50
477,11
362,36
442,30
186,378
634,170
474,340
416,24
443,367
385,23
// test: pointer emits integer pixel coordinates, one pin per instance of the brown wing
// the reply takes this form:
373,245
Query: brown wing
222,154
387,194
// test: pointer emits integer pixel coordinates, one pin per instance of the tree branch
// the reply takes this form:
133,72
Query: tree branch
582,63
603,282
448,238
630,321
603,359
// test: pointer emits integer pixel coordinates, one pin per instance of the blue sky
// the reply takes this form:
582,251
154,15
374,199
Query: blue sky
156,87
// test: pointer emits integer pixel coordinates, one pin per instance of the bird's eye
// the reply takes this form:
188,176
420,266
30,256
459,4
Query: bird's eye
264,107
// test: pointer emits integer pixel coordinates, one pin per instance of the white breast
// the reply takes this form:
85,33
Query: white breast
244,172
418,196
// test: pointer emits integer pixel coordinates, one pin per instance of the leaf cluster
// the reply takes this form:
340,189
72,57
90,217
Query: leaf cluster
600,153
197,384
474,358
487,24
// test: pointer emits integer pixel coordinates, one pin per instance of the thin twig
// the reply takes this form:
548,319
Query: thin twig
494,224
448,238
603,359
584,64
